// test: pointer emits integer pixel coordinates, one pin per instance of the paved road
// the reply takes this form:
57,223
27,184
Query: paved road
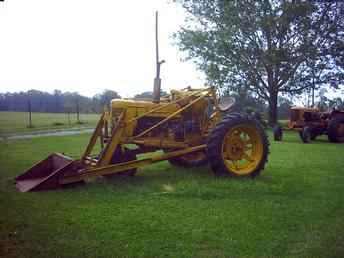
46,134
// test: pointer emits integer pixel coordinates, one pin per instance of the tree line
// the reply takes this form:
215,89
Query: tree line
56,102
73,102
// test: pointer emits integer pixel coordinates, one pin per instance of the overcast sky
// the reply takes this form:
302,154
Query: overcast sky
88,46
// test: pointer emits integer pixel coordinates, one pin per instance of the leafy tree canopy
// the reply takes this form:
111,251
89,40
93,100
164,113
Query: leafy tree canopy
106,96
268,47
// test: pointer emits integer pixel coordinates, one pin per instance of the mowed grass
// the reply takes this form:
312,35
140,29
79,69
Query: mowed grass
17,122
294,209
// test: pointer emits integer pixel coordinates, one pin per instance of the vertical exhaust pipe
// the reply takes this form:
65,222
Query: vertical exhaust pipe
157,80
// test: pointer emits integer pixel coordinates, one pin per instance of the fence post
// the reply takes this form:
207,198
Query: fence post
30,115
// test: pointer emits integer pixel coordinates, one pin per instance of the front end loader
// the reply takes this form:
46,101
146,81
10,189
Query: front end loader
191,127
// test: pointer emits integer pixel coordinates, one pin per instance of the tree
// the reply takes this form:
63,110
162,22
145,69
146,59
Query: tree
58,101
323,100
247,102
337,103
268,47
284,105
106,96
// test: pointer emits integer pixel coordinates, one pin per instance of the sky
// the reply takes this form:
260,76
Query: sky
87,46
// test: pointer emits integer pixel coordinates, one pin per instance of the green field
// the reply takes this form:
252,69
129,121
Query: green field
294,209
17,122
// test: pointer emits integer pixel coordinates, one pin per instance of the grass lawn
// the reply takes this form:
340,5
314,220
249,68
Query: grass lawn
16,122
294,209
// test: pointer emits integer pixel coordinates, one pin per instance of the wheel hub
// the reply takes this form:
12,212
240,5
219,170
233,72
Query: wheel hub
235,149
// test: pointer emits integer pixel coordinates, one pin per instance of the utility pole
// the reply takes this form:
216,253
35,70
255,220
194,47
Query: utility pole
313,94
313,86
157,80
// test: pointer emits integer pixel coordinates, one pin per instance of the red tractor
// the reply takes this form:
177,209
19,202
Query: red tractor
311,122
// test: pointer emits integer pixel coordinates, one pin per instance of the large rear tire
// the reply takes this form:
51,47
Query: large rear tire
335,130
238,146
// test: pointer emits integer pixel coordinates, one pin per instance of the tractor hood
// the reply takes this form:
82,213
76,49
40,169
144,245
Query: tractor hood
128,103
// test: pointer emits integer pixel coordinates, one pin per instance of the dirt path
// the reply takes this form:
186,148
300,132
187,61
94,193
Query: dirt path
46,134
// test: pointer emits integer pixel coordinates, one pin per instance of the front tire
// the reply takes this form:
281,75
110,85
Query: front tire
278,133
195,159
306,134
237,146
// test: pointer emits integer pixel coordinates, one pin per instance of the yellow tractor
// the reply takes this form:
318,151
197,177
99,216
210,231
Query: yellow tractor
190,126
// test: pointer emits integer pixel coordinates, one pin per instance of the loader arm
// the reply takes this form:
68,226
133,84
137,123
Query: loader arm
116,135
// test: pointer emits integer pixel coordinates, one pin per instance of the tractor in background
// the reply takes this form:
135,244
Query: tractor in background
311,123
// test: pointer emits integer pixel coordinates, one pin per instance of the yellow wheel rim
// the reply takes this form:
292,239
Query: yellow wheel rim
242,149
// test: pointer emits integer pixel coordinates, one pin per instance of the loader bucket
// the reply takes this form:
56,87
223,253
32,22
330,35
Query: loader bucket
46,174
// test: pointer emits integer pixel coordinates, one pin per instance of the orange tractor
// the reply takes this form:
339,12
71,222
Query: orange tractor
311,122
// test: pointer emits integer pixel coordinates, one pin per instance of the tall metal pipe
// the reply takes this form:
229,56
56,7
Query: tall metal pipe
157,80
